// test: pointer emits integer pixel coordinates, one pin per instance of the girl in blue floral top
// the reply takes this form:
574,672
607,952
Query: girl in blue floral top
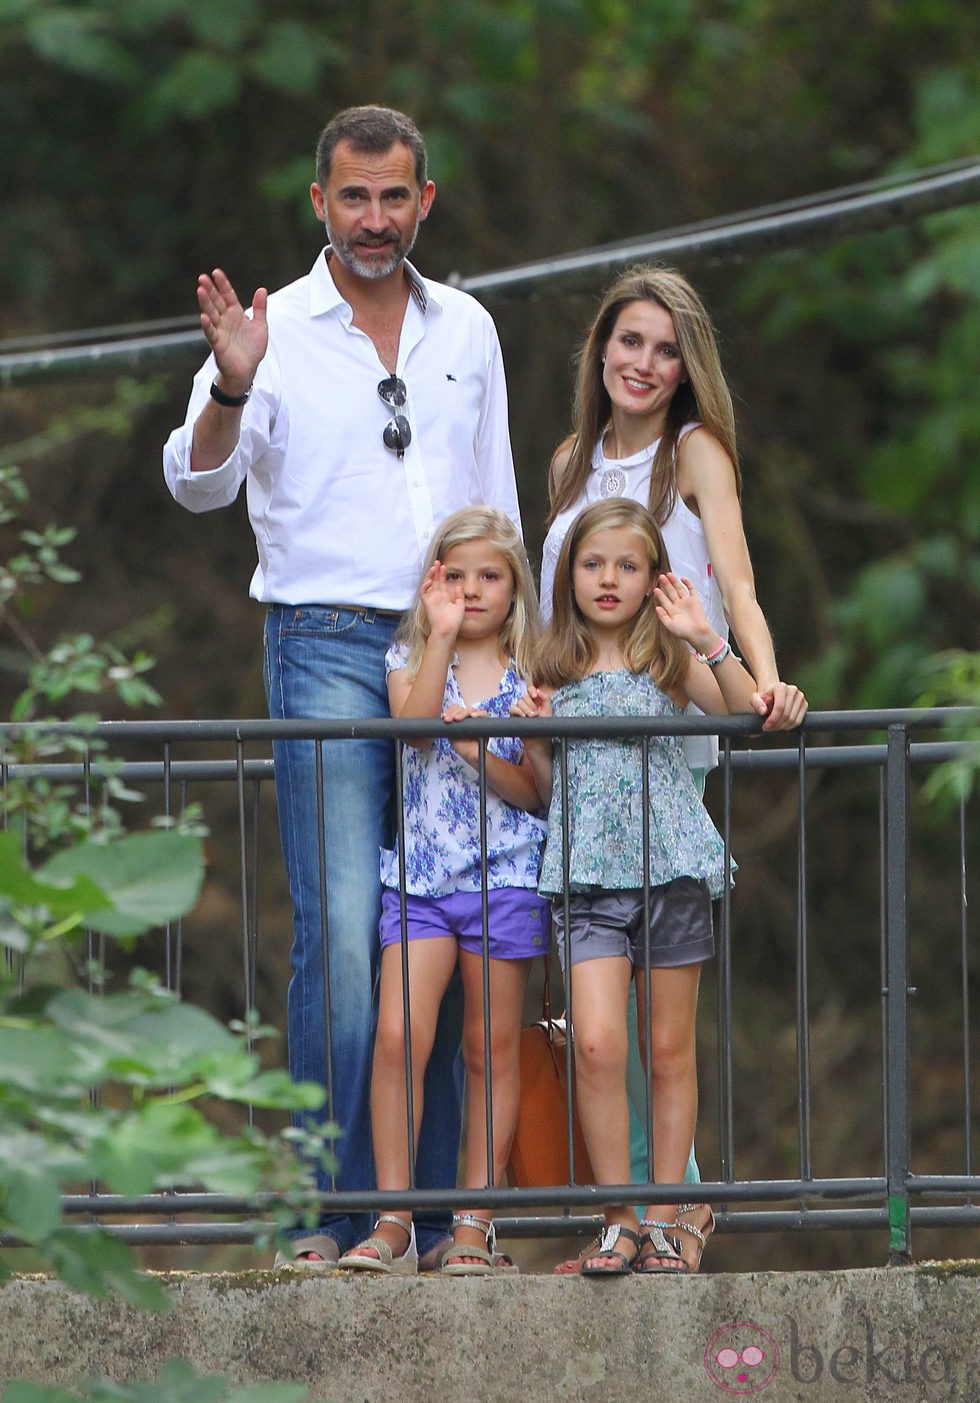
463,650
628,638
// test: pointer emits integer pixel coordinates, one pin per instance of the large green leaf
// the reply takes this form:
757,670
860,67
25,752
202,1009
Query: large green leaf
30,1196
161,1142
160,1044
38,1060
60,891
149,878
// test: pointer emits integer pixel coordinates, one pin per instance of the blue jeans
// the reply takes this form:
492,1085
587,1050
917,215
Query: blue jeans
323,662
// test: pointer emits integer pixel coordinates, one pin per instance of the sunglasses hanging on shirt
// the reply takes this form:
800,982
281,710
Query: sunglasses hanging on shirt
397,433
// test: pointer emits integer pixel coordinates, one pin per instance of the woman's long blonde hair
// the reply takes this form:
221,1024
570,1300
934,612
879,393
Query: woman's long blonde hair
568,651
704,397
519,636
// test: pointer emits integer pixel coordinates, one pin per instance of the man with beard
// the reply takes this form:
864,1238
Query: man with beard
360,405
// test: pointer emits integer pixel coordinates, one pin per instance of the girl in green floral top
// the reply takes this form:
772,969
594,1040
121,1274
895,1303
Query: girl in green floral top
629,638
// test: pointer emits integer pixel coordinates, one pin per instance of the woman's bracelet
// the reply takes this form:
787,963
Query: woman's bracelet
717,656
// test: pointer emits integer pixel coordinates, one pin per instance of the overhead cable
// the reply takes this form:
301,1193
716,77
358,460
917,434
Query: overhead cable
853,209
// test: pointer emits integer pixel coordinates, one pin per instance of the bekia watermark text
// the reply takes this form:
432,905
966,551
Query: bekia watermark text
896,1361
743,1358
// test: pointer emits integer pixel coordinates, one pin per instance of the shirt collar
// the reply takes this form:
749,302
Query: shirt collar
325,295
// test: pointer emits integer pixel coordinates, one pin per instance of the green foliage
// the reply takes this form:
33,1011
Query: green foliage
196,86
897,314
948,111
953,679
49,812
113,1088
100,1087
142,878
71,38
178,1383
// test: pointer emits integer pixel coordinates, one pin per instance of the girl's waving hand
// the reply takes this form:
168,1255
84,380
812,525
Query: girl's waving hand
443,601
681,612
716,680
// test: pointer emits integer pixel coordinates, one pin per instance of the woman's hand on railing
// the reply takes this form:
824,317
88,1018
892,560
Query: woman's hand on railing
783,705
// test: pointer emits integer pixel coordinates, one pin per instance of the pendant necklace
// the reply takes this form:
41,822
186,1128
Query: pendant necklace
612,482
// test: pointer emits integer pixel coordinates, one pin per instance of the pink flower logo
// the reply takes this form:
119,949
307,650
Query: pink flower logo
741,1358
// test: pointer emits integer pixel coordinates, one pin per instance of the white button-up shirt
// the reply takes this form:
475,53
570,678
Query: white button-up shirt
338,517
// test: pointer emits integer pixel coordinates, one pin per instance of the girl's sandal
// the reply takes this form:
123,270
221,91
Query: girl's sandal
485,1264
385,1262
573,1265
662,1250
316,1253
700,1235
622,1265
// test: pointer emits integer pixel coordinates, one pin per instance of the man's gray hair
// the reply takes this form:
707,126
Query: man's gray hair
374,130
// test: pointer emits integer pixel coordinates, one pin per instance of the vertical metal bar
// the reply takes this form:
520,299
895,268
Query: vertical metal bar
16,961
726,1111
965,986
250,899
13,962
485,932
175,930
804,1089
321,847
883,936
256,865
248,958
406,991
95,948
168,935
567,939
896,994
179,940
648,1034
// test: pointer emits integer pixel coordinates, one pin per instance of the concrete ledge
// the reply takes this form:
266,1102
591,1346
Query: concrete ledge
907,1333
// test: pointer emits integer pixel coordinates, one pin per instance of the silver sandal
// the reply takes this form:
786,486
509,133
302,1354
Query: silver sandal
700,1235
485,1265
385,1262
608,1248
316,1253
656,1237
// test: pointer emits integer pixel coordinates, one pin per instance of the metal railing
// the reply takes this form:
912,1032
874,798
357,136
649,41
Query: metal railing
891,1198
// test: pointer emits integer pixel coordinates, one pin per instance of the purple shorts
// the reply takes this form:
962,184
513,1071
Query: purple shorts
518,921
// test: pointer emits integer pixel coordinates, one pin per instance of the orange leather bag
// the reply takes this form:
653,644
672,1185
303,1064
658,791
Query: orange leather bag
539,1154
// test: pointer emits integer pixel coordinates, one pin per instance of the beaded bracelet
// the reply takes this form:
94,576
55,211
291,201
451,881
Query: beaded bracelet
718,656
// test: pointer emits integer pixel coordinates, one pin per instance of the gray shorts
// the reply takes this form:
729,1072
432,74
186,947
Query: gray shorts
604,923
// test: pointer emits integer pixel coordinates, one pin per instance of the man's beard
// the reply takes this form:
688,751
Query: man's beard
348,251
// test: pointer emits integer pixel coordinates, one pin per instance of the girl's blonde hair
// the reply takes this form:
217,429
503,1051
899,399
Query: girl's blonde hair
519,636
704,397
568,651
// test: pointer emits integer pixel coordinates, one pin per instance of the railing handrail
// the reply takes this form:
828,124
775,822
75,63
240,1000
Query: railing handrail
386,727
